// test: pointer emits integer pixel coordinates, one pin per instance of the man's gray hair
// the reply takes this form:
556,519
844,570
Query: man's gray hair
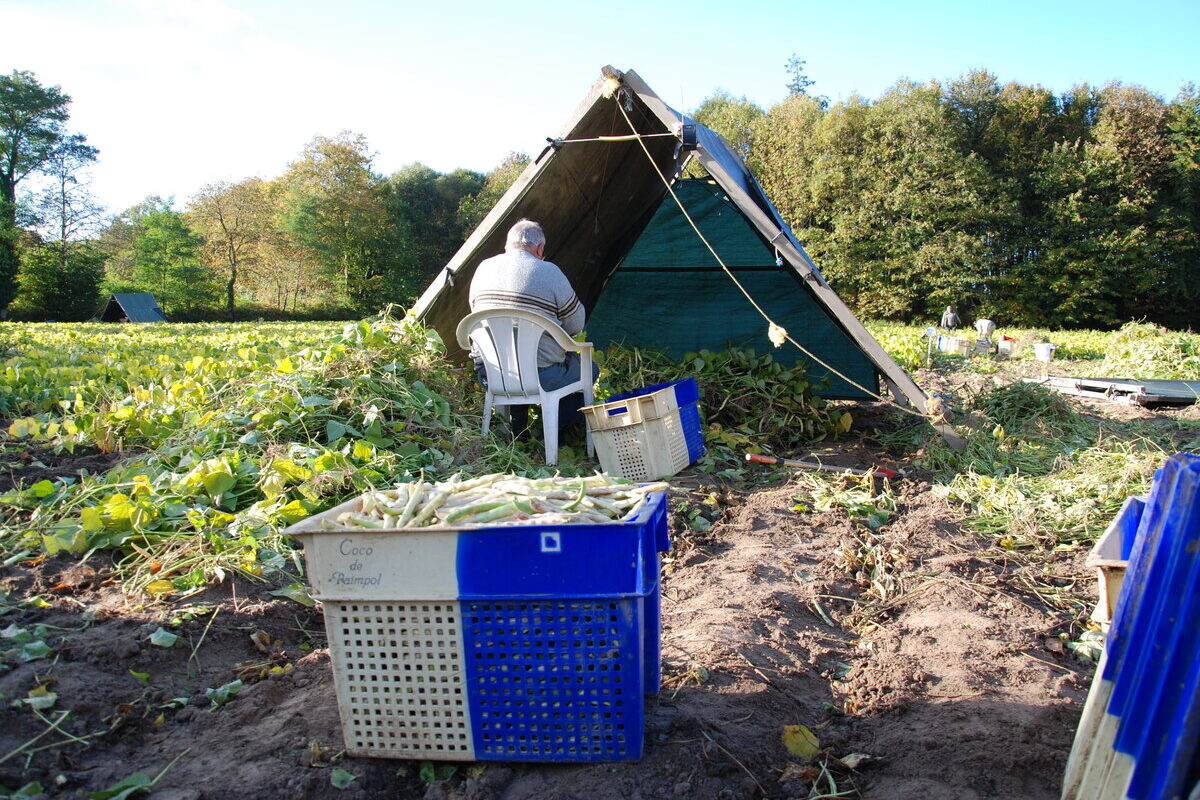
525,235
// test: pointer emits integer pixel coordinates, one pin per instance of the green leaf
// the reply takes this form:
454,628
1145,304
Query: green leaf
163,638
32,789
71,540
92,519
142,677
42,489
340,778
223,694
314,401
218,483
26,426
16,633
127,787
34,650
325,462
294,591
334,430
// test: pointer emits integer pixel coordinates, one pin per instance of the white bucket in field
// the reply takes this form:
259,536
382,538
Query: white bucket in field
1044,351
1005,347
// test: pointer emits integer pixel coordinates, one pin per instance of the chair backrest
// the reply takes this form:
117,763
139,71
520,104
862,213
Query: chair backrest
507,340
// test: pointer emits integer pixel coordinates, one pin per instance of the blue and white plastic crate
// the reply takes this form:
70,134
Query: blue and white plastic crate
649,433
1139,734
509,643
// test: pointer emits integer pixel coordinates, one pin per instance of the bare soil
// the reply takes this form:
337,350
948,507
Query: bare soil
28,464
949,681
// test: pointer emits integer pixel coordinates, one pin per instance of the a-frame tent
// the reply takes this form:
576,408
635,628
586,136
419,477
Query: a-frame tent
131,307
595,189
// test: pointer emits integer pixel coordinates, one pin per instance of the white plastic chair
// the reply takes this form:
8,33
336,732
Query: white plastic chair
507,341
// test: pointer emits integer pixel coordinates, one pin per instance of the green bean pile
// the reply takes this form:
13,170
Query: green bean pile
499,499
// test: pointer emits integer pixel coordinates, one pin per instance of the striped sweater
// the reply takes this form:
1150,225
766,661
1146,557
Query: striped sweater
518,279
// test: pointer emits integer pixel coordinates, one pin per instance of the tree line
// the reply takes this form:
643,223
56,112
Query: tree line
1009,201
1079,209
328,237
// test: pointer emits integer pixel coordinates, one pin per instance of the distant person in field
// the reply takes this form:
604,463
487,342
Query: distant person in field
950,320
985,328
520,278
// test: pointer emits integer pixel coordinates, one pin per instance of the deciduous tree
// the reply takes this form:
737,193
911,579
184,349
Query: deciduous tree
332,207
32,125
66,210
164,255
473,208
59,281
732,117
424,225
234,221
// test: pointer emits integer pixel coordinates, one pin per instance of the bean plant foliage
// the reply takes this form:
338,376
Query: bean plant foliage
226,434
1144,350
749,402
232,432
1036,473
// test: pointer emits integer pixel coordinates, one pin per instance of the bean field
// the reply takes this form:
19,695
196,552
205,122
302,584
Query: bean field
147,473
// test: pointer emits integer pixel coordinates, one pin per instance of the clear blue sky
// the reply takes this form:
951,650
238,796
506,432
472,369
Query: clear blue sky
179,93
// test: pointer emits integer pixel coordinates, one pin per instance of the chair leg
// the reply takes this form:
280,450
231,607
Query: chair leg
550,431
587,429
487,412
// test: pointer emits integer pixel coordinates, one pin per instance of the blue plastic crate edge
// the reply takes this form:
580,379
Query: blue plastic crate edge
689,419
686,391
1127,521
617,559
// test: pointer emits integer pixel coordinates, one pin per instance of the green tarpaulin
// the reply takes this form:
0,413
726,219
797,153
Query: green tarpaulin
670,293
133,307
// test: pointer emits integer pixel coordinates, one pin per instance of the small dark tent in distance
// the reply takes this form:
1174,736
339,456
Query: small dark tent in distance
139,307
599,189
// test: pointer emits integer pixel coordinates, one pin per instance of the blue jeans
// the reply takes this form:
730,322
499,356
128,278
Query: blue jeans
552,377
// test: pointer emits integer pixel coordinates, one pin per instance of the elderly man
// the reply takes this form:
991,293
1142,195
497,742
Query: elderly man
520,278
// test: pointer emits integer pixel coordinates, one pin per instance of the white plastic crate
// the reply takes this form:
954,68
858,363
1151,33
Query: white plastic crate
641,438
1107,558
954,345
400,679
